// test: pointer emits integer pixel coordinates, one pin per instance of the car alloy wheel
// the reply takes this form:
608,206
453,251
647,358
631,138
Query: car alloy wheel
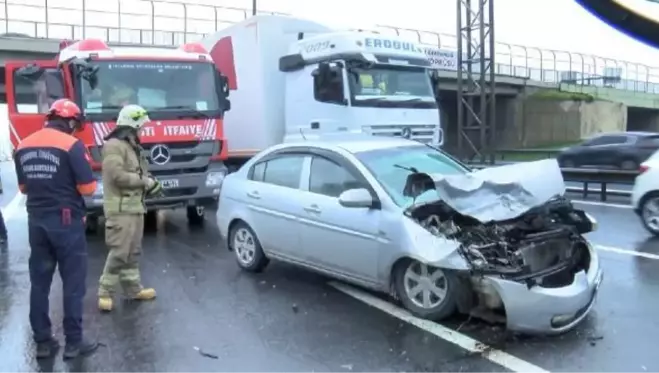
425,286
245,246
650,214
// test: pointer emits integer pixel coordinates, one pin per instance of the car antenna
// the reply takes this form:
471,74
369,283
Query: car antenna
302,133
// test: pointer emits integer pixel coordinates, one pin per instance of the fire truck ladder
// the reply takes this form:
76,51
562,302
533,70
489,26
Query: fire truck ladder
476,79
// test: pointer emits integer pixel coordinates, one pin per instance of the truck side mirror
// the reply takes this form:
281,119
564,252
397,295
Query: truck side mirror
434,81
30,72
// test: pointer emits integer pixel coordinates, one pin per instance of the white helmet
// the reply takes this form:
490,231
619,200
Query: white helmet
133,116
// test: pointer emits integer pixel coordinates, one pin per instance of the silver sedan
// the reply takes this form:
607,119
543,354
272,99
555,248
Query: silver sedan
405,219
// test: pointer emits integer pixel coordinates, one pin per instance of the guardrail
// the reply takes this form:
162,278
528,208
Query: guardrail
589,177
540,153
174,22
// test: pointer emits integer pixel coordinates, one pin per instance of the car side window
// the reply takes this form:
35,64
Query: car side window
330,179
606,140
284,170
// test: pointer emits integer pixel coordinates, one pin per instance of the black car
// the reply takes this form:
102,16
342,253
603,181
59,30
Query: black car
624,150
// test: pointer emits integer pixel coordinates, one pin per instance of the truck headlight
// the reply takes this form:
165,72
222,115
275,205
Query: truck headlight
99,189
214,179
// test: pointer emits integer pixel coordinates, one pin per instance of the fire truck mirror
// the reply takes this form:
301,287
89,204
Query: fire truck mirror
31,72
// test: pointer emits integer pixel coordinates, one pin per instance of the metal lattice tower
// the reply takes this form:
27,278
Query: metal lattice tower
476,79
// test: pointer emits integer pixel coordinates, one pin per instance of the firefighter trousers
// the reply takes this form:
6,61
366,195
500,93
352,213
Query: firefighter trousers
123,238
57,240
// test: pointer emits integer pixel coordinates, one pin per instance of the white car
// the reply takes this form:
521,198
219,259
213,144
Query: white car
645,194
403,218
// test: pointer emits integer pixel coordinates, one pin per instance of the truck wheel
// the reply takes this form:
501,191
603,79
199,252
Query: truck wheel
196,215
92,224
151,220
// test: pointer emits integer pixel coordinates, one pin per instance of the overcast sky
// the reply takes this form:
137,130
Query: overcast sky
556,24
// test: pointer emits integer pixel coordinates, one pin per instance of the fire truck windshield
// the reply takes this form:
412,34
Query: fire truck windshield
167,89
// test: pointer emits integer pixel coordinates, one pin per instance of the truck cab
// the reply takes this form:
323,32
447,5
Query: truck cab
293,79
185,95
361,83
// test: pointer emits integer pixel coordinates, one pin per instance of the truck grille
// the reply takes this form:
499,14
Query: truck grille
420,132
184,157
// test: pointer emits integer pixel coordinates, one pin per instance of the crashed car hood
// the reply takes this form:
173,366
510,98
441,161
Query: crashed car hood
501,193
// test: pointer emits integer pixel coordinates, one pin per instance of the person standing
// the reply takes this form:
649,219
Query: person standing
126,183
53,170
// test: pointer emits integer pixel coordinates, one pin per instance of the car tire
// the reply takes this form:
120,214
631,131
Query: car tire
441,305
629,165
196,215
247,248
649,219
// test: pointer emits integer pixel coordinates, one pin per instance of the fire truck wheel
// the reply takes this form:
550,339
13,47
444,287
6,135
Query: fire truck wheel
196,215
151,221
92,224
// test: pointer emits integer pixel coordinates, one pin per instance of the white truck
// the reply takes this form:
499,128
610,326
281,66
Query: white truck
292,78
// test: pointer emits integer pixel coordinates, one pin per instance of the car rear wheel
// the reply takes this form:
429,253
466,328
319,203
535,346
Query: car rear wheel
248,250
427,292
650,214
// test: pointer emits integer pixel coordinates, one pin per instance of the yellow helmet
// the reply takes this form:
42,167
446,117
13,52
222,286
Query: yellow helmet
133,116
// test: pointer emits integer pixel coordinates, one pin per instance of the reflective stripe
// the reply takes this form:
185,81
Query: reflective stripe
125,204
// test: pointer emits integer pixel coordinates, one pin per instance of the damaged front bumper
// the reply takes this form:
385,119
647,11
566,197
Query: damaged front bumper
542,310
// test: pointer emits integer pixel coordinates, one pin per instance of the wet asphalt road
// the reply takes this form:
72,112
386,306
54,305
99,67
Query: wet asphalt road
289,320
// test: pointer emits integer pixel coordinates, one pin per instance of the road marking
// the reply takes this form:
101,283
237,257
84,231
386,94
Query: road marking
496,356
627,252
13,207
604,204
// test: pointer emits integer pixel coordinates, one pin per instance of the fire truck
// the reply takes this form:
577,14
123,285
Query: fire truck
184,93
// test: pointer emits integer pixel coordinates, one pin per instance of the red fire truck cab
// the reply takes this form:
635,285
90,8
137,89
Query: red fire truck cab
184,93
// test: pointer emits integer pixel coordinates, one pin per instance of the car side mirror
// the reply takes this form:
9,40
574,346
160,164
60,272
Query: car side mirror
356,198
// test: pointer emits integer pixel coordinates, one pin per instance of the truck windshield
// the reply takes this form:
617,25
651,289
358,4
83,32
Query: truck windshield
163,88
391,86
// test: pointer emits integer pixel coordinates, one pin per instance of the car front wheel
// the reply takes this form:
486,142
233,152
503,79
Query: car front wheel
246,246
650,214
427,292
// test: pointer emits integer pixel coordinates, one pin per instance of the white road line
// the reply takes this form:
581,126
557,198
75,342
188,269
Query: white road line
496,356
604,204
13,207
627,252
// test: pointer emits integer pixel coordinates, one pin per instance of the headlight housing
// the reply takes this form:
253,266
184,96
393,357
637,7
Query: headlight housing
215,178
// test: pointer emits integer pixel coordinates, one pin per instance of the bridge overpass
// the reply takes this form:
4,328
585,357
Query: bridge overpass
628,90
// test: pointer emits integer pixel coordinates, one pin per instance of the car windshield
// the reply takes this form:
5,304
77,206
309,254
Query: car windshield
157,86
390,166
406,86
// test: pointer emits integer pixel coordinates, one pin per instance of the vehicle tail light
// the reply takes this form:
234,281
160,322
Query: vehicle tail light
643,168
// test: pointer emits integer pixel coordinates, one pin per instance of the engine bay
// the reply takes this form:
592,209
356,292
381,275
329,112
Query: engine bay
543,246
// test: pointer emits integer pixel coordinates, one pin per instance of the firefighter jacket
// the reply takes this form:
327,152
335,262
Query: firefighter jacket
53,170
125,177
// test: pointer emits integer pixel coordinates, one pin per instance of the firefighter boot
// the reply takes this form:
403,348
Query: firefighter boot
105,304
145,294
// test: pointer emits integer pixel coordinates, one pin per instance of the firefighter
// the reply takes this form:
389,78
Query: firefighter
126,184
53,170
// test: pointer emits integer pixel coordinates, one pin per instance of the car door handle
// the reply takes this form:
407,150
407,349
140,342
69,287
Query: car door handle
313,209
254,194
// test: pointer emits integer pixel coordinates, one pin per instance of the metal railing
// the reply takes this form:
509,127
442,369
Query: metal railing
173,23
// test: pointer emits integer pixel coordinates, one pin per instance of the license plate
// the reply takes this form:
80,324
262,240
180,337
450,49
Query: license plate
168,184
